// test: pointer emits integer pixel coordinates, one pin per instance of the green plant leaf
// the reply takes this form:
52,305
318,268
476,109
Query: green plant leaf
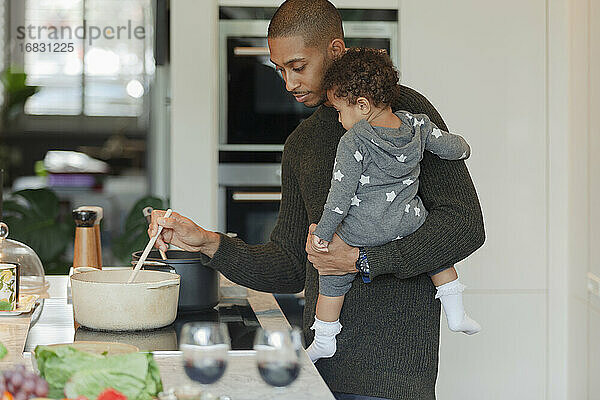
43,202
16,92
135,233
33,218
15,207
135,217
13,81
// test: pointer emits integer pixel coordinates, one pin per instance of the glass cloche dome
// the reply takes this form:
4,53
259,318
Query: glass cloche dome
31,270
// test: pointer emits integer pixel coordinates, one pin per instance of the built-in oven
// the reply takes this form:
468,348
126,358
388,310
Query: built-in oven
256,111
252,212
249,197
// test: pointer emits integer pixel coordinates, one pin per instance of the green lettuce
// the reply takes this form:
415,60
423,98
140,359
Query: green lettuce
91,383
3,351
74,373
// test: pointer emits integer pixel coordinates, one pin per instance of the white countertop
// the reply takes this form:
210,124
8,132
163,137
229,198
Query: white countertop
241,380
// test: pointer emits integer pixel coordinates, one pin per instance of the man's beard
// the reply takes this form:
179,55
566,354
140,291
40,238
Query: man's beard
318,102
326,64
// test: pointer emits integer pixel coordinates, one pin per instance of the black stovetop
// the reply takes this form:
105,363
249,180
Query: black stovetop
239,317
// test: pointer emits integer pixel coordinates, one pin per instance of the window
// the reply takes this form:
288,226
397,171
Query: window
94,63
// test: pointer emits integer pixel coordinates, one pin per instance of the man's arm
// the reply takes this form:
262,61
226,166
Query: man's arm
454,227
279,265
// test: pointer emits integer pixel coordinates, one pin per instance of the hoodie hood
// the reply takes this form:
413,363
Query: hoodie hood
396,151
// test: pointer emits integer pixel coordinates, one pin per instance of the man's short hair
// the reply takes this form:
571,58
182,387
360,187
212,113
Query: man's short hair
317,21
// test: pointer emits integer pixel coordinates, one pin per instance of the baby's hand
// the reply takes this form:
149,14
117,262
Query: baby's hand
319,244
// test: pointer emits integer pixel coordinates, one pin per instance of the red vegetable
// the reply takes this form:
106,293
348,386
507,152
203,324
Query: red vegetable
111,394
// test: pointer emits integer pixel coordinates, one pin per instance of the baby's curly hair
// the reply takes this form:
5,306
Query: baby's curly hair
362,72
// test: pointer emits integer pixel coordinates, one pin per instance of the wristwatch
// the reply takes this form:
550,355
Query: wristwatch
362,265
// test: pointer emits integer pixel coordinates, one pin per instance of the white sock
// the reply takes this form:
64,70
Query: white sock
324,344
450,294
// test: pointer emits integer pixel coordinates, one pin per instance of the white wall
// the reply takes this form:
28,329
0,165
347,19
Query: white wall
558,212
578,113
483,65
193,110
520,80
594,188
584,189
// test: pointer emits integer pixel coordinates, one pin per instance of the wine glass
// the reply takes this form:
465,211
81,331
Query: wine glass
278,353
205,346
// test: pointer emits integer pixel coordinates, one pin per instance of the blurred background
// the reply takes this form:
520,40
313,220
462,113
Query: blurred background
93,98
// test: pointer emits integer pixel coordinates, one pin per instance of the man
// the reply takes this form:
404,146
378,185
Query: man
389,345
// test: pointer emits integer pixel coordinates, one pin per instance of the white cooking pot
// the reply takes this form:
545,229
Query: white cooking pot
103,300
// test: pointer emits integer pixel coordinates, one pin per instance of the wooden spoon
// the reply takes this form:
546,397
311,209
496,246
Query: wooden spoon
149,246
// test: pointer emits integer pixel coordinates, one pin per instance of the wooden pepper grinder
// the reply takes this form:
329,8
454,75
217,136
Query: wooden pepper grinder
99,214
86,248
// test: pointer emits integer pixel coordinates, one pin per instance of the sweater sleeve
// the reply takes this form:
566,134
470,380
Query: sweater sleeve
346,174
454,227
279,265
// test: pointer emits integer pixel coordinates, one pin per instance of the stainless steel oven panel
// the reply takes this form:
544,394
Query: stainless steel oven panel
258,28
242,174
253,195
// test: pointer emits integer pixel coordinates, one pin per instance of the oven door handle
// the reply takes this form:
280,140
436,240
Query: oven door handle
240,51
256,196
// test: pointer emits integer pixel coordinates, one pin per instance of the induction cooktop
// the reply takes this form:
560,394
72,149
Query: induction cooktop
239,318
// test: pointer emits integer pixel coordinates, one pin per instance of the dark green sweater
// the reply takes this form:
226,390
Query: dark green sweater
388,346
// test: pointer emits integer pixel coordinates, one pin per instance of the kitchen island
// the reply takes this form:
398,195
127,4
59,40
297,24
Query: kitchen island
241,380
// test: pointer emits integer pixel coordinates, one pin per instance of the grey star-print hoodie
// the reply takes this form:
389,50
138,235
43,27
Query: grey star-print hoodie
373,195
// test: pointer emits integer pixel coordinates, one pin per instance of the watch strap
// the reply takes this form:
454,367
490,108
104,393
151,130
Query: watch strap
362,265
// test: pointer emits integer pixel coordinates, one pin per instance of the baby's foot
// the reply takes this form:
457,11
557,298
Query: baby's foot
323,347
464,324
450,294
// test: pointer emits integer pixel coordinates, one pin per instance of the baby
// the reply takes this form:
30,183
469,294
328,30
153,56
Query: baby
373,196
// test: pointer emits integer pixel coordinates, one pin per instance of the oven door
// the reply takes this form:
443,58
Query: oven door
257,113
252,212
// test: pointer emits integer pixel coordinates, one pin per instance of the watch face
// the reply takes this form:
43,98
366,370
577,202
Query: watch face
363,266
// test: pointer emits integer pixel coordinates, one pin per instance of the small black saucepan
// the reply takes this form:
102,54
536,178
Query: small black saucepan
199,286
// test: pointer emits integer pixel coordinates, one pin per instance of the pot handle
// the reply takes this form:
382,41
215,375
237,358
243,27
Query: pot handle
160,266
157,263
161,285
78,270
